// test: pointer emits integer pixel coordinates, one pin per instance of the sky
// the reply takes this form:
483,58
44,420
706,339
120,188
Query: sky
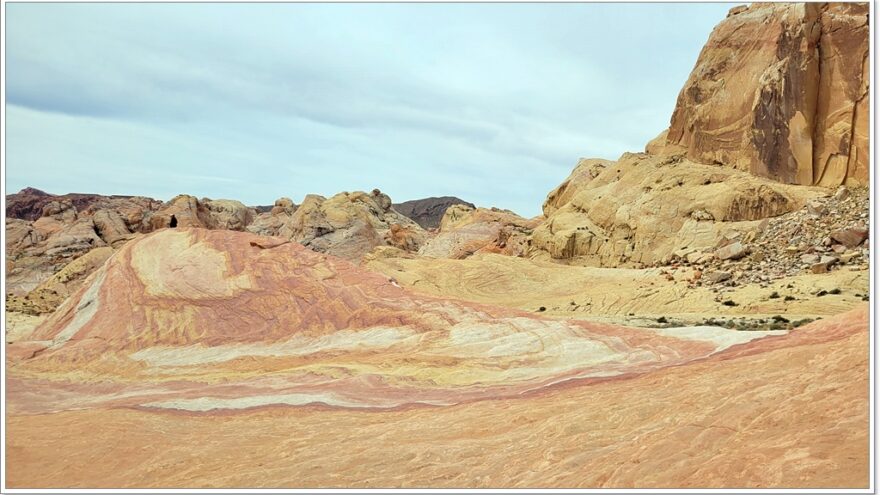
493,103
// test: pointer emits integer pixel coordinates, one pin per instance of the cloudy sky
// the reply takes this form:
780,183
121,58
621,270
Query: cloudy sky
493,103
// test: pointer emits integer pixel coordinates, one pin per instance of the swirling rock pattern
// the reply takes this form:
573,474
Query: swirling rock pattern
781,90
306,366
203,319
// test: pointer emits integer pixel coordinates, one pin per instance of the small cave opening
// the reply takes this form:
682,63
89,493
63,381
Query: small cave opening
173,223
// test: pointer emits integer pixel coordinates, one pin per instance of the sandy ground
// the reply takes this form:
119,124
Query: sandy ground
791,416
620,295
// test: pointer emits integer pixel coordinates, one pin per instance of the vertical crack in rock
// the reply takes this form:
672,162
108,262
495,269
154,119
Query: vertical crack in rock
818,168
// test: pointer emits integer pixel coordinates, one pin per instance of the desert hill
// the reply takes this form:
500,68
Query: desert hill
195,321
692,315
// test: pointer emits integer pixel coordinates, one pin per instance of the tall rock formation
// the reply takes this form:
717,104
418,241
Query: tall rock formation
781,90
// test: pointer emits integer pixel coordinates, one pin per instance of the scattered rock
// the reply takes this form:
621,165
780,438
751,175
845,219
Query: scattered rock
851,237
732,251
714,277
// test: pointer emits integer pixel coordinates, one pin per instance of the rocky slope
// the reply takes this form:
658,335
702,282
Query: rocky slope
427,212
781,90
195,321
643,208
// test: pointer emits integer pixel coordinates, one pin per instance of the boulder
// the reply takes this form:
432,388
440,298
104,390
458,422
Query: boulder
714,277
229,214
733,251
851,237
111,227
350,225
465,231
405,238
810,258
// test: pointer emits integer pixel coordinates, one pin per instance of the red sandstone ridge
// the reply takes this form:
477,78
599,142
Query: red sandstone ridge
781,90
181,327
173,312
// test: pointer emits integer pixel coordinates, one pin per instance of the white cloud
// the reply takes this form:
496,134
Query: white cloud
490,102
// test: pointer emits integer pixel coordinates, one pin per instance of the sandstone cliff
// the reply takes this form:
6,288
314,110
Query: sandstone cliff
780,90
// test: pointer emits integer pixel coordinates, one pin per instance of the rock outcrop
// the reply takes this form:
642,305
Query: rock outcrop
780,90
350,225
189,304
644,208
275,221
428,212
46,297
36,250
181,211
183,326
465,231
28,203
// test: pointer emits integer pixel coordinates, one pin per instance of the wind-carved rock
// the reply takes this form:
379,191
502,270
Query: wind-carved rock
780,90
643,208
465,231
350,225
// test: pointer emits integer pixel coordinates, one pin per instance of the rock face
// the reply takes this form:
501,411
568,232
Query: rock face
28,203
586,170
350,225
465,231
427,212
781,90
644,209
213,321
275,221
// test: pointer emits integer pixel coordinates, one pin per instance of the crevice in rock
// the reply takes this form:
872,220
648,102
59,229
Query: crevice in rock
815,131
853,120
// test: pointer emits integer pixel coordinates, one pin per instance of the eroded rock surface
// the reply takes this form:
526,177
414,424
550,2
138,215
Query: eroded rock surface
465,231
204,322
350,225
428,212
780,90
643,209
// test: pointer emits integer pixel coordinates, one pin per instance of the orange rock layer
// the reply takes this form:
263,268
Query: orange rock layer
781,90
228,359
